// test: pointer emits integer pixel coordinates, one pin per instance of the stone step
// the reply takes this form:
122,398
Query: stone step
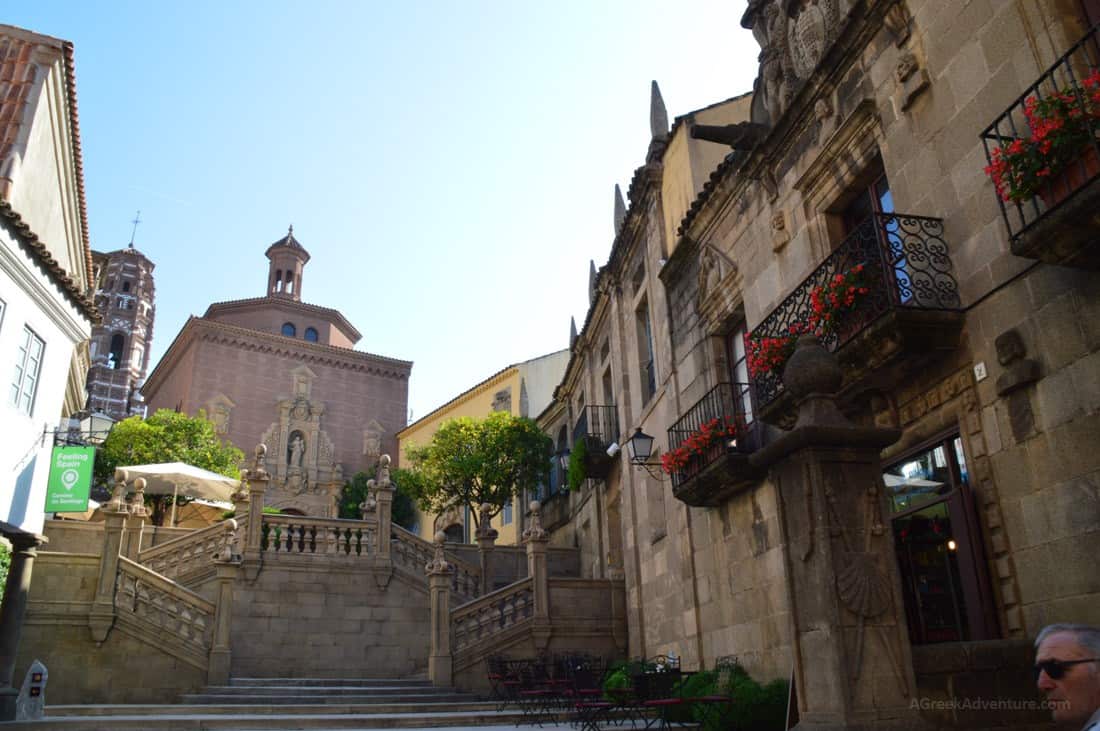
322,698
464,705
319,690
271,722
333,682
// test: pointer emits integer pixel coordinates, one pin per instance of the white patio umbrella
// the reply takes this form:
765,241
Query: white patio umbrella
178,478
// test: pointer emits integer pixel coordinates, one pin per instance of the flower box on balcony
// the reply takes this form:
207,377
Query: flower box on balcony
1044,160
904,301
709,447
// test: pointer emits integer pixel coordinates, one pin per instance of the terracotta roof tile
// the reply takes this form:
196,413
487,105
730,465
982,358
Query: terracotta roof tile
40,253
18,75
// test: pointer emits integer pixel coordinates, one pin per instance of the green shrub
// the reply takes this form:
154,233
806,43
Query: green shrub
755,707
5,562
576,475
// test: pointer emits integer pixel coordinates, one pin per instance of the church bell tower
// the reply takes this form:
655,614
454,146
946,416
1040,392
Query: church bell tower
288,259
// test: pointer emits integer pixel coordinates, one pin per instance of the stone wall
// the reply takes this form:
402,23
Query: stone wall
586,616
301,618
980,685
77,536
55,631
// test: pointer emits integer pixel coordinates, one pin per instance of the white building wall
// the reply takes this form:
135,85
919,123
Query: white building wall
541,376
32,300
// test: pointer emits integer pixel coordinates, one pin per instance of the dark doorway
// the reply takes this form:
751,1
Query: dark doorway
938,544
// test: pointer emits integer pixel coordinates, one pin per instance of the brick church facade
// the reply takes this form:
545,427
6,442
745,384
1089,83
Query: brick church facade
282,372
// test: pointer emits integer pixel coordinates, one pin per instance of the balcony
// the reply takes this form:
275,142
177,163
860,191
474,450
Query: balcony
887,291
716,468
1044,158
597,427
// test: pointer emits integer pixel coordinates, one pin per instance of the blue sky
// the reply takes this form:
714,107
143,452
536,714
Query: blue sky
449,166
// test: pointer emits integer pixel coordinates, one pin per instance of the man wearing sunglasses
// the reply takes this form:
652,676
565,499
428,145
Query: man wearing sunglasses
1067,671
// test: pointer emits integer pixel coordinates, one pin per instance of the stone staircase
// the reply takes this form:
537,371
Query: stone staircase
288,703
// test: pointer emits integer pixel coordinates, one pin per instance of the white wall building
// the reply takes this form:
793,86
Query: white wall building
46,315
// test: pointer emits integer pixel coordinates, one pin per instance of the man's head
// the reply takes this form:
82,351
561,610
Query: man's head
1067,665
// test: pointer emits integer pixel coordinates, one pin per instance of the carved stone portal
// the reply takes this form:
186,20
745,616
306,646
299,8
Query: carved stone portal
301,459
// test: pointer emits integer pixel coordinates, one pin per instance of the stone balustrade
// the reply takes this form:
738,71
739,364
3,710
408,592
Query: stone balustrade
305,536
176,619
412,553
188,558
493,614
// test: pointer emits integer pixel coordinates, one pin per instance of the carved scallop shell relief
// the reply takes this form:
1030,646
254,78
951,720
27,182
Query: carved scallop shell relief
862,586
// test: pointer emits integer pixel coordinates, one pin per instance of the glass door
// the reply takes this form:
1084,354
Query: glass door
939,551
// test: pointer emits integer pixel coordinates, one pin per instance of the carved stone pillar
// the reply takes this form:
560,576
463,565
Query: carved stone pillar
440,663
227,563
135,522
537,539
102,615
853,666
24,550
257,479
486,540
383,495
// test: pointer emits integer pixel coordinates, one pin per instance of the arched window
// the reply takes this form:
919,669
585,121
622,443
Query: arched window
125,286
289,330
289,283
117,343
278,280
311,334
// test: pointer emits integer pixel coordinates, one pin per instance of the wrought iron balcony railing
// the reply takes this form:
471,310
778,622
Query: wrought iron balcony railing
1044,158
727,405
897,262
598,422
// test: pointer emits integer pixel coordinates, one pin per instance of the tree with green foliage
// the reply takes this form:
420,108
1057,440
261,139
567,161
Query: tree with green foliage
478,461
5,564
354,492
166,436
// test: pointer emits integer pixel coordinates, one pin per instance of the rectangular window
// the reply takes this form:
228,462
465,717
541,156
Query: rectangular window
648,374
506,514
739,371
28,367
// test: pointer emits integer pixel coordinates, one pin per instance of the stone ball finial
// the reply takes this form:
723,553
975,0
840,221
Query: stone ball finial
139,484
261,451
535,506
440,537
384,460
812,369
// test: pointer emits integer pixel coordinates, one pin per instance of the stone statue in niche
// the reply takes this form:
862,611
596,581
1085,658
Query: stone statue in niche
709,272
295,450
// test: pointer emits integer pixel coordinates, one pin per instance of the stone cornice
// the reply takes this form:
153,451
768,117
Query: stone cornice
255,303
198,329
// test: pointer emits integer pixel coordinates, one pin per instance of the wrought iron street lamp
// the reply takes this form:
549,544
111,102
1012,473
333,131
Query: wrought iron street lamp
640,448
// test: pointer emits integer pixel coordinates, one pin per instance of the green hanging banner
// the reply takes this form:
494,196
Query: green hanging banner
70,481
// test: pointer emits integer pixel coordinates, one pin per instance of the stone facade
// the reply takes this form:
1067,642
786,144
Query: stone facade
863,131
282,372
